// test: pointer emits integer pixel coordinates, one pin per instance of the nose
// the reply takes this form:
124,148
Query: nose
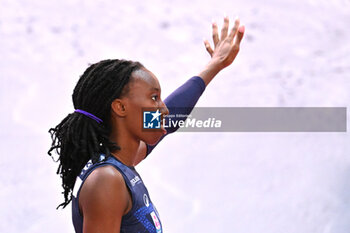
163,108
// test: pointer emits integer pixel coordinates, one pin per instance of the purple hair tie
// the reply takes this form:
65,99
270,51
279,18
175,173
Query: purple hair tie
89,115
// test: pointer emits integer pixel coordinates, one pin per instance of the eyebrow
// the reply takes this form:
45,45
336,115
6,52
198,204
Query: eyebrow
155,88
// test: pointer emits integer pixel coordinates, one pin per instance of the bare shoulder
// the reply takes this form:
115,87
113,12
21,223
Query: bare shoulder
103,183
104,199
104,175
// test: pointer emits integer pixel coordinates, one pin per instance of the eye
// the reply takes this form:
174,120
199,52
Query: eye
155,97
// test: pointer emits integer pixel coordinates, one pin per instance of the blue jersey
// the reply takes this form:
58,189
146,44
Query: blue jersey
143,216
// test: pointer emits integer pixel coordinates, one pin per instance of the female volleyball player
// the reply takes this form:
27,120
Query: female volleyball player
102,141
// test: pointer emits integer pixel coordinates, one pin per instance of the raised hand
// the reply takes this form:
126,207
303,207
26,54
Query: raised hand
226,48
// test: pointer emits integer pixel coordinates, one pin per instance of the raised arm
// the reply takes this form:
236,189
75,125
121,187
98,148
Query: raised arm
184,98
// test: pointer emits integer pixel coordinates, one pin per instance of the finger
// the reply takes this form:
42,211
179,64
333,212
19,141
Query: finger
224,28
239,36
208,47
215,34
234,29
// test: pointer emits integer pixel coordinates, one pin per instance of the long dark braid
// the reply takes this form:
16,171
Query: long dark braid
78,138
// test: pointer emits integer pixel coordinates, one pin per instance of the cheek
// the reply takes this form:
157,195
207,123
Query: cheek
149,137
135,121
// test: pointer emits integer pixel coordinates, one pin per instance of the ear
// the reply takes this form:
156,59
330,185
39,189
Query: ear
119,107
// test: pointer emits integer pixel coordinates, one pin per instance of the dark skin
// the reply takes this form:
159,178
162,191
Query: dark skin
104,197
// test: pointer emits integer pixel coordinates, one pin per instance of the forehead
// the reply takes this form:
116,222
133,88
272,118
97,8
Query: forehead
144,79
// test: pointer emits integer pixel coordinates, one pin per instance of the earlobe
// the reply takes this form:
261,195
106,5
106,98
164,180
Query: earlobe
118,107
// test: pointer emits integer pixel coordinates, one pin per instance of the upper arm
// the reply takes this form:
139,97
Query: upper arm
104,200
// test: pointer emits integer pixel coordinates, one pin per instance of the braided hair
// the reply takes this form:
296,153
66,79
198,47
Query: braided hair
78,138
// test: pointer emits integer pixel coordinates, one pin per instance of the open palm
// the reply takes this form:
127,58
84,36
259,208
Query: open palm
226,47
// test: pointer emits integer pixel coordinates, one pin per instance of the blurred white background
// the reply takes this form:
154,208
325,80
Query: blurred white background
294,54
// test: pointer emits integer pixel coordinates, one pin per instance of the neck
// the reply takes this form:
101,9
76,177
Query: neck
128,147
